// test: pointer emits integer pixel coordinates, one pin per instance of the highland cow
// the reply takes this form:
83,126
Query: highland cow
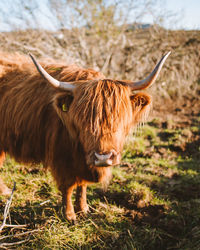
72,120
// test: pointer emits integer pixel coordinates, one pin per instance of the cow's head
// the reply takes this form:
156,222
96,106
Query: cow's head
99,113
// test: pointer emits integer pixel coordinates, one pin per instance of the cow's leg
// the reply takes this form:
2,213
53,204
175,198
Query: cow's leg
81,199
4,190
67,203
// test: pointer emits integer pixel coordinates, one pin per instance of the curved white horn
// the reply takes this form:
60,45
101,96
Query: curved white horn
62,85
150,79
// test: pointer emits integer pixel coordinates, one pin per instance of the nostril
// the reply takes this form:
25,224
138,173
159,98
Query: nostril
105,156
112,156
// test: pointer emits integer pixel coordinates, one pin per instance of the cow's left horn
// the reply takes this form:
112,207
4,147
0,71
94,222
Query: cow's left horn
151,77
62,85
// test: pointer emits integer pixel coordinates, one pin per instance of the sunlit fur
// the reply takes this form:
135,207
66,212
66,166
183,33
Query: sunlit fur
101,105
35,129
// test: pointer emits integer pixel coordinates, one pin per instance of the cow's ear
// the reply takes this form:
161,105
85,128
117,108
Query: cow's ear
141,104
62,102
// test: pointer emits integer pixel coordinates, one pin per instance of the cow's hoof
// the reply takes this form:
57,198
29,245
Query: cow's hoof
82,209
83,212
71,217
85,209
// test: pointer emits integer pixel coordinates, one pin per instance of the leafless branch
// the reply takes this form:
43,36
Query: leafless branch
6,212
19,234
4,245
7,207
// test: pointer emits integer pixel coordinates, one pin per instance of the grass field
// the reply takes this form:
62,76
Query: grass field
152,202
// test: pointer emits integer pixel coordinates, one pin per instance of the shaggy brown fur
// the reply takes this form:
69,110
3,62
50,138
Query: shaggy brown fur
35,128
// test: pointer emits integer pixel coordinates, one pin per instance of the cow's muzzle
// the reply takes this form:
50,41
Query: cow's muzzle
106,159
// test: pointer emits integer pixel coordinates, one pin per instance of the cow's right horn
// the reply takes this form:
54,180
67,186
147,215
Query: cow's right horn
150,79
62,85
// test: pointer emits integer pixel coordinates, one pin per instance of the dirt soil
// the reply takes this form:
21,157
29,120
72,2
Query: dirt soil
182,111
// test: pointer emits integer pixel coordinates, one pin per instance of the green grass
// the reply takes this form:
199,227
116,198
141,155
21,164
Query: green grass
152,202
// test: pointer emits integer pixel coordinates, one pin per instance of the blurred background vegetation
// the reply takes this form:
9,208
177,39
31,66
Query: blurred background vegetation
107,36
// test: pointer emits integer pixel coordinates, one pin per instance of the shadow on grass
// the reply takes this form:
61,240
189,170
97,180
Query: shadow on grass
33,214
